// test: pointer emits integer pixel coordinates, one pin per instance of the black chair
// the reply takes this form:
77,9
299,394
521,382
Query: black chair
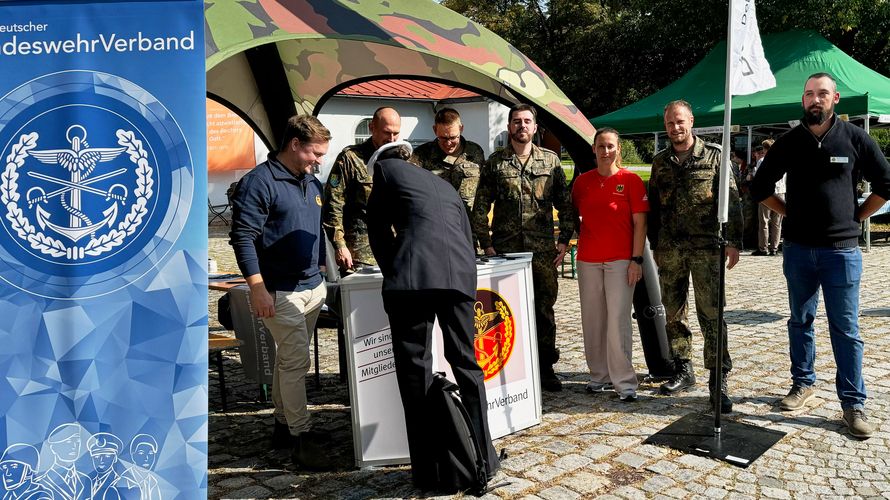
217,212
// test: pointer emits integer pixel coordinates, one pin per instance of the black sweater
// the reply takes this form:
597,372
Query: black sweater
821,199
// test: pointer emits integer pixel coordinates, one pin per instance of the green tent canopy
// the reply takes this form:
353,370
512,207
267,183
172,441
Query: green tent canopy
793,56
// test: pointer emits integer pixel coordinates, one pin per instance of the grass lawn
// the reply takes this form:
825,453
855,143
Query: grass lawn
641,169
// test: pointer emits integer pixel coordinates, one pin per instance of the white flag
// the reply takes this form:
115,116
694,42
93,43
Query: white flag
749,68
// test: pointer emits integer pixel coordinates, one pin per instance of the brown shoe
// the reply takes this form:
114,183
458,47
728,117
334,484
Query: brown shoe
858,423
797,398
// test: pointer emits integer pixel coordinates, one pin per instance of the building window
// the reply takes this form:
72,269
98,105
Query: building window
362,131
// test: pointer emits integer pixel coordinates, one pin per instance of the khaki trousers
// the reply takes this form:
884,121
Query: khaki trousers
292,327
769,227
606,301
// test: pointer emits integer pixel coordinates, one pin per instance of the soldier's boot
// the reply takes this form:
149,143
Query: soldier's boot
683,379
725,402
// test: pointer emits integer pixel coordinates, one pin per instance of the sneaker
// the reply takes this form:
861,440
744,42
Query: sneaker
858,423
598,386
758,253
628,397
797,398
772,253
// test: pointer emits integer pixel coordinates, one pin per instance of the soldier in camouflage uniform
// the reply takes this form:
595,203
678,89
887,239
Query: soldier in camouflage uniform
452,157
344,214
684,235
525,183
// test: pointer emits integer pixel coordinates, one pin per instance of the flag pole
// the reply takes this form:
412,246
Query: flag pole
722,218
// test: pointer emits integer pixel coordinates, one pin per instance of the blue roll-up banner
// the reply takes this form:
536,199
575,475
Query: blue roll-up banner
103,250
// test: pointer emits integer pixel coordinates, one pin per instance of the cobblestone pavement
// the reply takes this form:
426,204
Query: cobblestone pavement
591,446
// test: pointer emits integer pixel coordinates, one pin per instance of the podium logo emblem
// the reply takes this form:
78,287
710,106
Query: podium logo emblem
81,208
495,331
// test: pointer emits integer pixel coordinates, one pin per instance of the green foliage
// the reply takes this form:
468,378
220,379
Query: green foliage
605,54
629,152
646,149
882,137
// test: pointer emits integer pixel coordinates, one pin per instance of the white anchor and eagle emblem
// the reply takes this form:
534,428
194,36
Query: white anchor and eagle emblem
75,217
80,161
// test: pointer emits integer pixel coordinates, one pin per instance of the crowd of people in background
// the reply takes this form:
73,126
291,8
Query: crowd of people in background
281,214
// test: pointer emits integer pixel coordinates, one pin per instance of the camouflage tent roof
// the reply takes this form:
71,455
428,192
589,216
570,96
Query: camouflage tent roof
325,45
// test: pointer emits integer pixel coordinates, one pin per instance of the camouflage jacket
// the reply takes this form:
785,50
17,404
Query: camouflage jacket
344,214
524,199
683,200
462,171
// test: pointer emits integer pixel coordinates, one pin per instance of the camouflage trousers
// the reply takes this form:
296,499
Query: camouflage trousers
674,268
546,289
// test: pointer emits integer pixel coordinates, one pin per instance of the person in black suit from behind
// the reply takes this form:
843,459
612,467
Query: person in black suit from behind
421,238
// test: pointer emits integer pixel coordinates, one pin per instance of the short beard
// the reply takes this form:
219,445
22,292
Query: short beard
817,118
516,138
679,140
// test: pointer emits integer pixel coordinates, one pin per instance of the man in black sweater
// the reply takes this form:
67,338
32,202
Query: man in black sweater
824,158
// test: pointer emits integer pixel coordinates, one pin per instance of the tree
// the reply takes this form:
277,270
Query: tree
605,54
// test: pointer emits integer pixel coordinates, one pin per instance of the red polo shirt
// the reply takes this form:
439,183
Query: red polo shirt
606,206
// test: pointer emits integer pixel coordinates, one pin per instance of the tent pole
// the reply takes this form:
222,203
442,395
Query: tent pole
750,135
867,221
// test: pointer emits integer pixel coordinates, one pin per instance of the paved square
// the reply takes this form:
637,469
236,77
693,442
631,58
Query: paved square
590,445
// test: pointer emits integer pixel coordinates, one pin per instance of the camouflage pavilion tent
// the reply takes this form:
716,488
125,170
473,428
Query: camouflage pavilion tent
269,59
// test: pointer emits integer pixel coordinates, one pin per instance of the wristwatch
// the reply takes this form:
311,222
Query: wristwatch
638,259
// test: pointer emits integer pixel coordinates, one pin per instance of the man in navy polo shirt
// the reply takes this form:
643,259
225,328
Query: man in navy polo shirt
276,235
824,158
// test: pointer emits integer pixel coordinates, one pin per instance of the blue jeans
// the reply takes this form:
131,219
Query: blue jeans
837,272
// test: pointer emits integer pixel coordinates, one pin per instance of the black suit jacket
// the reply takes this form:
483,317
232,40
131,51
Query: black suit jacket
432,246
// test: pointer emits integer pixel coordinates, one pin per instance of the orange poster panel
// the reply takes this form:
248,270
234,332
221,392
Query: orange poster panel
229,140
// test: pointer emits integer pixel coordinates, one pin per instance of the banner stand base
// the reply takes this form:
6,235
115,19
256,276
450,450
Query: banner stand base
737,444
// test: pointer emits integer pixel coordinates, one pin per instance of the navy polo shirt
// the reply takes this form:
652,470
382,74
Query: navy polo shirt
276,227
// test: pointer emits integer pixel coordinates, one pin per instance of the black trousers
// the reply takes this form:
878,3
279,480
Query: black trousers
411,318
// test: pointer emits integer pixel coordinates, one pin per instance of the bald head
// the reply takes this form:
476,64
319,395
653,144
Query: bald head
385,126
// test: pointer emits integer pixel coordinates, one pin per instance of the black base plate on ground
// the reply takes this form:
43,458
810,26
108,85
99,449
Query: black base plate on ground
878,311
738,444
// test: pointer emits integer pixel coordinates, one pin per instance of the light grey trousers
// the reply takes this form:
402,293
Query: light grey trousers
606,301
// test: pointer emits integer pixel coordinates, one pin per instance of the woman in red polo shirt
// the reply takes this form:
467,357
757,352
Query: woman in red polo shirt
611,204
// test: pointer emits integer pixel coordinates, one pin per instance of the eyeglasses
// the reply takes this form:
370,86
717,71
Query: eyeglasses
452,138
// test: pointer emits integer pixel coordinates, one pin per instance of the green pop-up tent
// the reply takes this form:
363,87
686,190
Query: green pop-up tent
793,56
